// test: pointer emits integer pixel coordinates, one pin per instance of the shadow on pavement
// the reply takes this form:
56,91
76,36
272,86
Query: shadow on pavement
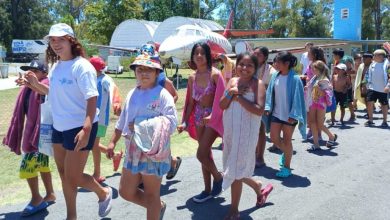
326,152
211,209
17,215
293,181
165,189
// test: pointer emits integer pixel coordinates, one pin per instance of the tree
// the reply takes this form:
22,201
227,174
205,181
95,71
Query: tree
102,17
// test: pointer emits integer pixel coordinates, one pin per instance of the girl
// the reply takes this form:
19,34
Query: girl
264,74
320,92
243,103
147,121
285,106
205,88
73,95
23,137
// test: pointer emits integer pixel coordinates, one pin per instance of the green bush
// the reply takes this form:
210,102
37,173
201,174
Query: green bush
125,62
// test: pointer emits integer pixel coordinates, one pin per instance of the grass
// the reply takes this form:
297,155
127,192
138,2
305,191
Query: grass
14,190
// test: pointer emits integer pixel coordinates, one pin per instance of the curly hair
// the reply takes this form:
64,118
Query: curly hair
76,47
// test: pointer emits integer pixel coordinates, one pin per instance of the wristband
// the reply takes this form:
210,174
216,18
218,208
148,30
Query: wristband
227,95
184,124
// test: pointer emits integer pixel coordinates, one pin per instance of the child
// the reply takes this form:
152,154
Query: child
73,96
285,106
104,84
243,105
341,84
204,90
320,92
147,121
25,138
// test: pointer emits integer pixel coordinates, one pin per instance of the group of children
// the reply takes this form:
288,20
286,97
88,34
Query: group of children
240,105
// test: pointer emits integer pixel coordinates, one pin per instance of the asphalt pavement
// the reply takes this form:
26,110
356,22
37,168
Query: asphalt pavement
349,181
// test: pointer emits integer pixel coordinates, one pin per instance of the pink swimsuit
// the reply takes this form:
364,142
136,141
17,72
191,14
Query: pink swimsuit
197,94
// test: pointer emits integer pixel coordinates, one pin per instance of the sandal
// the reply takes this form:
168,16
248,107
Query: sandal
282,159
264,195
100,180
330,143
313,148
172,172
162,211
284,172
30,209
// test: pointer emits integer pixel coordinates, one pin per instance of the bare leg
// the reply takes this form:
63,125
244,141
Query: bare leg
260,148
342,109
370,110
236,190
352,111
255,185
96,158
152,196
287,144
332,116
206,174
36,198
320,124
203,153
313,126
385,109
47,182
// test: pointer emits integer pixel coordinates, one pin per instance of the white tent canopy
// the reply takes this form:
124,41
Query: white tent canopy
169,25
133,33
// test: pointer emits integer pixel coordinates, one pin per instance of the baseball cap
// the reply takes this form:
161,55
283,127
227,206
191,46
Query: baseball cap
341,66
59,30
98,63
367,54
35,65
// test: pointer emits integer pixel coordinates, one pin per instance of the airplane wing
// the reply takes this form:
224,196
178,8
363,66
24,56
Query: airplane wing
129,49
302,49
242,32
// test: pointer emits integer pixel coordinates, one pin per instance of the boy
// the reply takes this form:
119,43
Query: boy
24,139
341,84
104,84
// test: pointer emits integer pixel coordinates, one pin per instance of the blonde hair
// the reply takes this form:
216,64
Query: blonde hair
322,68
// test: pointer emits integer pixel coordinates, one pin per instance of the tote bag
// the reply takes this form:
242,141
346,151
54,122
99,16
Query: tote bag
45,145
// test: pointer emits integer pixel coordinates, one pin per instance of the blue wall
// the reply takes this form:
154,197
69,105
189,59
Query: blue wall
347,28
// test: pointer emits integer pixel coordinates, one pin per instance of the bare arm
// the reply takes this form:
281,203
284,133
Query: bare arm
33,83
189,107
114,140
171,89
83,136
225,101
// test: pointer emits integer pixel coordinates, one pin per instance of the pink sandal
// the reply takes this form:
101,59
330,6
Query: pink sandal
264,195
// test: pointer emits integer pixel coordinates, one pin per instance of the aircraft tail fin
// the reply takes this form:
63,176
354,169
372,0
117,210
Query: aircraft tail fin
229,25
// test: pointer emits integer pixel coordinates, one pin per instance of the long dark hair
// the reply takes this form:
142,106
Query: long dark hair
77,50
207,52
318,54
285,56
264,51
251,56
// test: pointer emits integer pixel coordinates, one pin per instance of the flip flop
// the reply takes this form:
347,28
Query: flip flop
264,195
330,143
162,211
172,172
31,210
101,179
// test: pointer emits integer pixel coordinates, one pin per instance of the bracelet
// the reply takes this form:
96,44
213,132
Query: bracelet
184,124
227,95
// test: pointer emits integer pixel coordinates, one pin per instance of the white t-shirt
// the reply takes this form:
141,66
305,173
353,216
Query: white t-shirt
281,110
72,82
147,103
304,61
377,77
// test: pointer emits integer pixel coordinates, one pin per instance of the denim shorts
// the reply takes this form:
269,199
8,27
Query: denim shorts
277,120
66,138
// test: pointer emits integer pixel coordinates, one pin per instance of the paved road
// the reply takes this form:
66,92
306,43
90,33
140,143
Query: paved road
350,181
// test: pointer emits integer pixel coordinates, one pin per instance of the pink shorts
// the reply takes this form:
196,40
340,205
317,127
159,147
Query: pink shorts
317,106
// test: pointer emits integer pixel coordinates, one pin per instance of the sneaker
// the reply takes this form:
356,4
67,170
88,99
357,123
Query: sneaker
202,197
217,188
369,123
284,172
309,135
384,125
105,205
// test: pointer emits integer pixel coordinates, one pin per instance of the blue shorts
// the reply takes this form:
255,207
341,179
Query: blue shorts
66,138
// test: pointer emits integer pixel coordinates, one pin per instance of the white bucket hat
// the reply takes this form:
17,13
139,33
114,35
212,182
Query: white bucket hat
59,30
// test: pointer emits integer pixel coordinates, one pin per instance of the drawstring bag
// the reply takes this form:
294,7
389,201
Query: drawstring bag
45,145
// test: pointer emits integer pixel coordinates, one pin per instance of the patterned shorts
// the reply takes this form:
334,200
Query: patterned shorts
32,163
200,113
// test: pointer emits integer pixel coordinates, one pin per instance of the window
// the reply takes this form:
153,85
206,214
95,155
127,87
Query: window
344,13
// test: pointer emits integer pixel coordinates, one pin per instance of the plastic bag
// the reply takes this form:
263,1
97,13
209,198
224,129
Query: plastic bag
45,145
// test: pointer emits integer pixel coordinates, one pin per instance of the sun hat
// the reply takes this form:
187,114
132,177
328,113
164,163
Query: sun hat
341,66
146,60
380,52
35,65
59,30
98,63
